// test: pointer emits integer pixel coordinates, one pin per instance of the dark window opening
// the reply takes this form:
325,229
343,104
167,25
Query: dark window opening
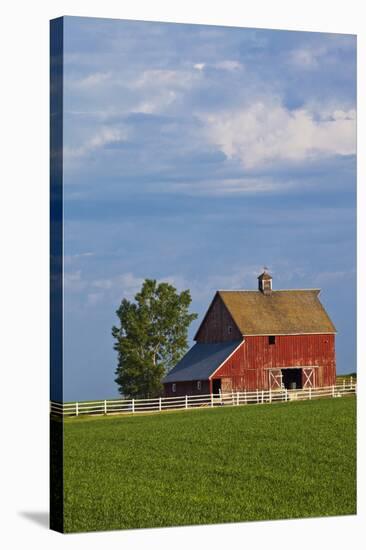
216,385
229,329
292,378
271,340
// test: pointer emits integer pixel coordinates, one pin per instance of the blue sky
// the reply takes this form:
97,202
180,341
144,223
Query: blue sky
196,155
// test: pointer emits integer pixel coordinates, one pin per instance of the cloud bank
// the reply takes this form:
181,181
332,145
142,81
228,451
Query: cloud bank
266,132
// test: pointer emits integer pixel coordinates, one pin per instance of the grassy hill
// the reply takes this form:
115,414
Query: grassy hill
211,466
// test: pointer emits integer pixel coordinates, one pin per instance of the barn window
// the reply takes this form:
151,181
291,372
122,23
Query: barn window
198,384
174,387
229,329
271,340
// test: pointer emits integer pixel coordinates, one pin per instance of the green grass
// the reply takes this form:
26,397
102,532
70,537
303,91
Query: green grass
228,464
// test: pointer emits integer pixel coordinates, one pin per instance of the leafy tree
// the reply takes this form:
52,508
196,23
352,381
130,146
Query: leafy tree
151,337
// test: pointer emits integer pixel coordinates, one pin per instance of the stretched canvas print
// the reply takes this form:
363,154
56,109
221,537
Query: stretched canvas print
203,280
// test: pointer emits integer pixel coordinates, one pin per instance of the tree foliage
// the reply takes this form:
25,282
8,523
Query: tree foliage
151,338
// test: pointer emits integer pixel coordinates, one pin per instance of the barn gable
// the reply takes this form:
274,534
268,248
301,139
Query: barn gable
218,324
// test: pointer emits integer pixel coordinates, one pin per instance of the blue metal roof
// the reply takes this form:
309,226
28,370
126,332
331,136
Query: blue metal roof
201,361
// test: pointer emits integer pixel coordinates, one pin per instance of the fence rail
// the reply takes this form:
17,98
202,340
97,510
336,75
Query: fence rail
159,404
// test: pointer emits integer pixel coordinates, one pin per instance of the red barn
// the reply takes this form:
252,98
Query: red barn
258,339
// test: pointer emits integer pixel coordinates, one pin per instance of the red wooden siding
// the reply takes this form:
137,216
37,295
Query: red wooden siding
248,368
215,327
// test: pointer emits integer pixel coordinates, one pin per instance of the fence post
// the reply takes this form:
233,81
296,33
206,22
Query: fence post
186,404
262,397
344,384
105,406
77,408
245,396
333,394
309,392
351,380
257,396
285,394
270,395
133,406
160,404
237,398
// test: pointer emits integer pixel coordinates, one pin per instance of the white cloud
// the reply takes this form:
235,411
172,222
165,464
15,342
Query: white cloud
93,79
94,298
96,290
125,285
102,137
151,91
73,281
228,65
338,114
266,132
156,103
305,58
242,276
159,88
312,56
225,65
104,284
160,78
71,258
229,186
115,288
329,277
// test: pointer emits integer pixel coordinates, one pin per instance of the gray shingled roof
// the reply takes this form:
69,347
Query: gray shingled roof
201,361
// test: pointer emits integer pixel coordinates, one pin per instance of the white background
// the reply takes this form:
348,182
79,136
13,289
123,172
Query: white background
24,270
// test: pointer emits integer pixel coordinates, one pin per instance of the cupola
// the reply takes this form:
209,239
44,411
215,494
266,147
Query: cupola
265,282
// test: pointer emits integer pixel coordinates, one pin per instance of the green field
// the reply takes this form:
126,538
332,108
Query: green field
227,464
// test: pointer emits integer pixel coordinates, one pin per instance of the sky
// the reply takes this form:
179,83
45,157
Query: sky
197,155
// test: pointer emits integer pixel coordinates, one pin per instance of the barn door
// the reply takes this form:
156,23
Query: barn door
308,377
226,385
275,379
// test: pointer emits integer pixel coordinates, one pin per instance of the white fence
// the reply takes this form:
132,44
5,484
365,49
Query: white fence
135,406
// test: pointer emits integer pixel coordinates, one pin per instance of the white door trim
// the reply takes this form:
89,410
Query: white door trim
275,375
309,373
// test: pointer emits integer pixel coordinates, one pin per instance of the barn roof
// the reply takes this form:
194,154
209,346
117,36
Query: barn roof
280,312
201,361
